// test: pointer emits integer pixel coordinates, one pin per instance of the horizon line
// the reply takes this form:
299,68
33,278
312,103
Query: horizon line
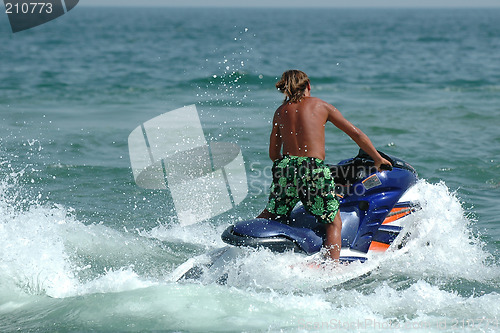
289,7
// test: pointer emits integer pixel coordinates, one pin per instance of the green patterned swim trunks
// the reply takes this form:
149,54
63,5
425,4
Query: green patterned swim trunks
306,179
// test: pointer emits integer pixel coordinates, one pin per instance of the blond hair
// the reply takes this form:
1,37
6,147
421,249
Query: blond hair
293,84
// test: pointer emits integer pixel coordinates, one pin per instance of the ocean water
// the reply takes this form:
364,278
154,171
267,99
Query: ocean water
83,248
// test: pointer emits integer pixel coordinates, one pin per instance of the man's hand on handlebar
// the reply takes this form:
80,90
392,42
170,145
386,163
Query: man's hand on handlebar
383,164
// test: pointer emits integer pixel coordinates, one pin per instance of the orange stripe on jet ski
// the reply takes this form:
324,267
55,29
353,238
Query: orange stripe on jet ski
378,246
397,213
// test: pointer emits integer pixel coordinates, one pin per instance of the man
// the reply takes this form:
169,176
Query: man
297,149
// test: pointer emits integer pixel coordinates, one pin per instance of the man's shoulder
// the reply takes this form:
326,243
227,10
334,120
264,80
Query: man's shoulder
280,108
319,102
316,100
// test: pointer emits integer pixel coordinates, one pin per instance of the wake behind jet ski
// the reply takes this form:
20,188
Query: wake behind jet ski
371,209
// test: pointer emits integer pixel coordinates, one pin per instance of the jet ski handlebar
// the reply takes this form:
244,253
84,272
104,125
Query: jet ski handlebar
352,170
387,167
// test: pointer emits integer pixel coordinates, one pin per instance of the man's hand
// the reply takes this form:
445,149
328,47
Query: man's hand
383,161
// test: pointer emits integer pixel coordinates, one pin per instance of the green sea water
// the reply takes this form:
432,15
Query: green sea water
83,248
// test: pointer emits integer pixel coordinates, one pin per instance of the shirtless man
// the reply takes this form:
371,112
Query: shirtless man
297,149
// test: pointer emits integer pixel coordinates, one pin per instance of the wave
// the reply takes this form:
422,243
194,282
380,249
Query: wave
232,78
61,269
46,250
240,77
458,84
441,249
434,39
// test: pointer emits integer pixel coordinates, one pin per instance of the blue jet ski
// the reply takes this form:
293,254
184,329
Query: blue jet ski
371,209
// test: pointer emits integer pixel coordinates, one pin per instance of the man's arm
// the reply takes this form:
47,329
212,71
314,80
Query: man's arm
275,141
361,139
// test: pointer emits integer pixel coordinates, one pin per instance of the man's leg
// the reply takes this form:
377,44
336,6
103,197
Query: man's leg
333,239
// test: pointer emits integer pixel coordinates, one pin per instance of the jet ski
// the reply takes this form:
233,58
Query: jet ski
372,208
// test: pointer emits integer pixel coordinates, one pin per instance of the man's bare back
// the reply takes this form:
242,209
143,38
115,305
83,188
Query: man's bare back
301,127
299,130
